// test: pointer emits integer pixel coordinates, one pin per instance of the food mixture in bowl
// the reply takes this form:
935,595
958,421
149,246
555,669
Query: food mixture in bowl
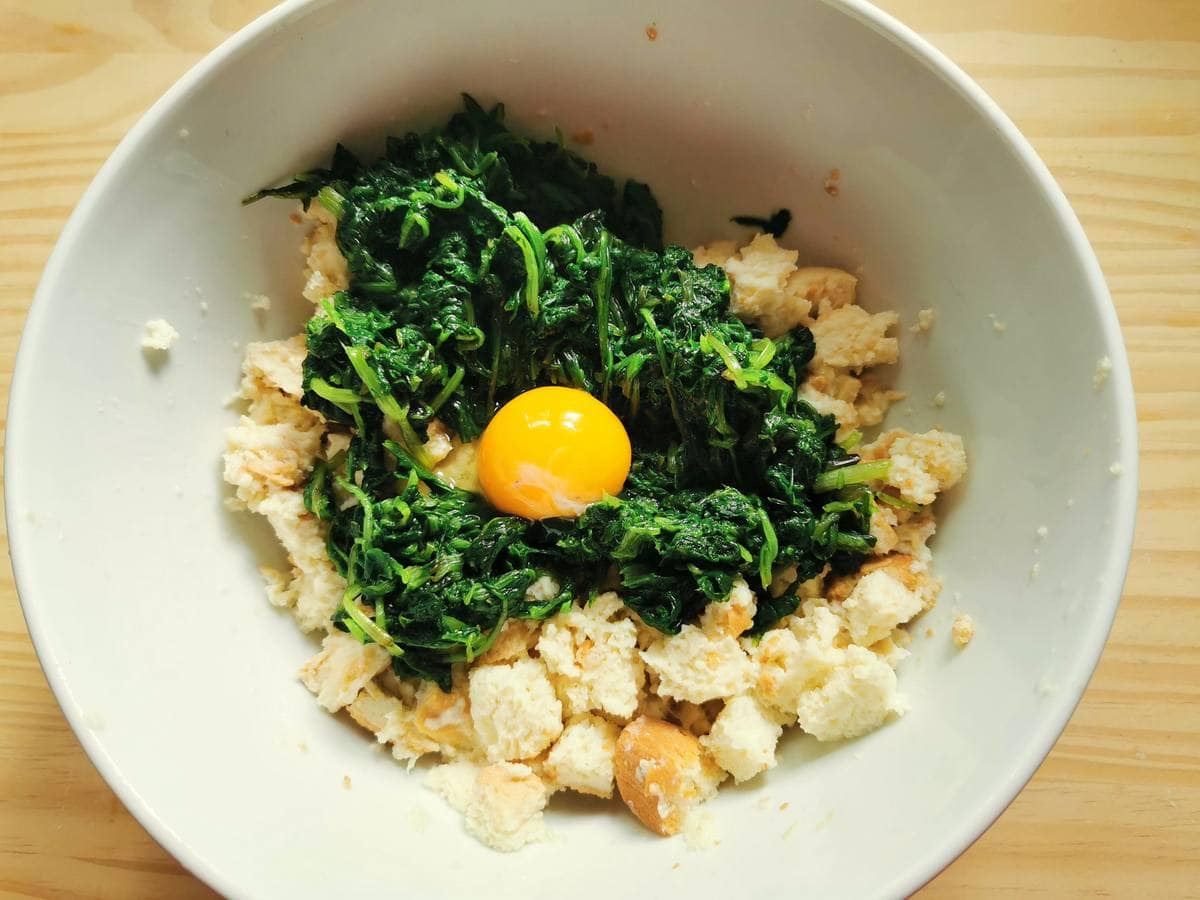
574,511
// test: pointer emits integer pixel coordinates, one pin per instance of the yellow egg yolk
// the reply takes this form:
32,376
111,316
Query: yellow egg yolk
552,451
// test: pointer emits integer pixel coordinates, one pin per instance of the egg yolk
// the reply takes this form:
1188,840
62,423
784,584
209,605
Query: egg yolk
552,451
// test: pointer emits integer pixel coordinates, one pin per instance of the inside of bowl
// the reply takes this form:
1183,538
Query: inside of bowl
142,590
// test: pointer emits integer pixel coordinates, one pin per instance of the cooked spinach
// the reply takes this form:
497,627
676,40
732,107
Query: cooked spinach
483,264
775,224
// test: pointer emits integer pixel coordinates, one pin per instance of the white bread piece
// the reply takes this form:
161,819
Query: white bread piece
876,606
693,666
582,758
502,803
743,738
663,773
514,709
850,337
342,669
591,653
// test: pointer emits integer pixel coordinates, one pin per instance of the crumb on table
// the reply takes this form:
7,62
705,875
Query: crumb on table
584,136
652,31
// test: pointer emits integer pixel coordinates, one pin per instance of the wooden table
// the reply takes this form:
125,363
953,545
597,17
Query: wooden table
1109,93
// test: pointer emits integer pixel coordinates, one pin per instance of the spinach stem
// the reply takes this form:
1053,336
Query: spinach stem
835,479
532,276
603,299
363,621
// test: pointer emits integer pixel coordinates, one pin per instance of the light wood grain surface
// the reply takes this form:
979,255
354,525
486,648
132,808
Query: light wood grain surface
1109,93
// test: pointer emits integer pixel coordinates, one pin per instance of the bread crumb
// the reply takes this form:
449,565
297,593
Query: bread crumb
963,630
676,866
1100,376
204,307
652,34
346,782
258,302
939,399
584,136
158,334
998,325
1043,532
1116,469
831,182
925,319
1070,502
783,806
700,830
929,632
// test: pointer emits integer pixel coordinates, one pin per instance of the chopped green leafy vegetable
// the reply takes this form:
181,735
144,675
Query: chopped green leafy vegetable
483,264
775,224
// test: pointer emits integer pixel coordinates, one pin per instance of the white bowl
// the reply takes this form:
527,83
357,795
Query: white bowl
141,591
